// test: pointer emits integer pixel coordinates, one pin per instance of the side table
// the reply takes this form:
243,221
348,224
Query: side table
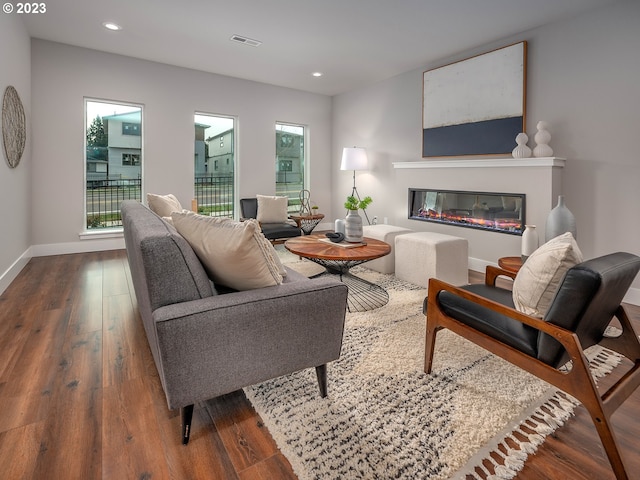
511,264
308,222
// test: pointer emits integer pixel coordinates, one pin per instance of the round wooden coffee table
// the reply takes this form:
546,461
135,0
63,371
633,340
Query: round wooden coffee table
338,259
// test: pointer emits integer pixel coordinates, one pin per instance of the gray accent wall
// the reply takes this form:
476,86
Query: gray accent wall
582,78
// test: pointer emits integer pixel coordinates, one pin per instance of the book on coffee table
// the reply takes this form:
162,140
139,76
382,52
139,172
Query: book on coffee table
343,244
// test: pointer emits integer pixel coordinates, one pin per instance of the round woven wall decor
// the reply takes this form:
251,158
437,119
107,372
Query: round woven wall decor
14,126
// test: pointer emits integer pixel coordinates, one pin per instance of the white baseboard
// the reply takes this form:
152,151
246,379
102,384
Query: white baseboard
632,296
84,246
479,265
12,272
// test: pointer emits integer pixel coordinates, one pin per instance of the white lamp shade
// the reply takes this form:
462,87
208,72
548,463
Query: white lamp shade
354,158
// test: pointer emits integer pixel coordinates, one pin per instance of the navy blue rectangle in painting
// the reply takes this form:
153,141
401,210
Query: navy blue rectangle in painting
478,138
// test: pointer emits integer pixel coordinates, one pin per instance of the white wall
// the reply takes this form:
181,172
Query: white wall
15,69
582,78
63,75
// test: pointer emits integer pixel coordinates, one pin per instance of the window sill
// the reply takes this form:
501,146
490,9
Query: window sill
102,234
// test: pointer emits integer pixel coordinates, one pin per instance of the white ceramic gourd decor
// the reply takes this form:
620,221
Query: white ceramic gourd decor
543,137
522,150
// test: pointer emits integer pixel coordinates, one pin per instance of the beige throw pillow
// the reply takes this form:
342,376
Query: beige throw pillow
538,280
272,209
234,254
163,205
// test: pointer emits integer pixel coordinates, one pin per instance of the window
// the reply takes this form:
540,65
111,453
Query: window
113,160
214,181
130,128
131,159
290,163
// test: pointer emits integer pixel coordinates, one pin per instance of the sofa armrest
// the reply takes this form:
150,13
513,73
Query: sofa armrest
219,344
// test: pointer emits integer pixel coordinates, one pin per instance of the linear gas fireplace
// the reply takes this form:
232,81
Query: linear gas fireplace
492,211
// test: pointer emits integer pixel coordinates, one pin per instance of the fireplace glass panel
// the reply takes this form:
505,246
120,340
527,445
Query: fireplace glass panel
496,212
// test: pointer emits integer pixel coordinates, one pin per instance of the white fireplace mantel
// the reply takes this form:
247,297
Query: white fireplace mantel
506,162
538,178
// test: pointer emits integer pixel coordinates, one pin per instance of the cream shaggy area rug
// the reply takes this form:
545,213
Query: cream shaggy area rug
385,418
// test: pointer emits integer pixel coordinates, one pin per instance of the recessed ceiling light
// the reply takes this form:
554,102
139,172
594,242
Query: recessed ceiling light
317,74
112,26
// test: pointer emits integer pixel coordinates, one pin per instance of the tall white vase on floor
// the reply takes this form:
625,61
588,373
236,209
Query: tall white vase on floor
529,241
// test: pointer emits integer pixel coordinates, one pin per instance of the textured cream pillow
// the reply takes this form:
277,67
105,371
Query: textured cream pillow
234,254
537,281
272,209
163,205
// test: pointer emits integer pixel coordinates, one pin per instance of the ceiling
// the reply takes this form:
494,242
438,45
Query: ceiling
352,42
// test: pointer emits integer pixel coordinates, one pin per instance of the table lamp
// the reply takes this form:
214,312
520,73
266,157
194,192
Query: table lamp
355,158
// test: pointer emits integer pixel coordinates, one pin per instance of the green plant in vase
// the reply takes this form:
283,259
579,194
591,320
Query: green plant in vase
353,203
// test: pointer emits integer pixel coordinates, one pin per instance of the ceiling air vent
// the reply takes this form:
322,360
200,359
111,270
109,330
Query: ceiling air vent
245,40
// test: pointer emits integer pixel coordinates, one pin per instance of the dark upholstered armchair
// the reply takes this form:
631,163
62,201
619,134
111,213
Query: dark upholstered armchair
274,232
586,301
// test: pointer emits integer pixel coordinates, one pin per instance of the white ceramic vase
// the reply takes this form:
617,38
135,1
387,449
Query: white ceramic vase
529,241
339,226
543,137
559,221
353,227
522,150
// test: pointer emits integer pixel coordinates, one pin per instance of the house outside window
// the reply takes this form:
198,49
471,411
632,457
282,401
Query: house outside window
214,168
290,162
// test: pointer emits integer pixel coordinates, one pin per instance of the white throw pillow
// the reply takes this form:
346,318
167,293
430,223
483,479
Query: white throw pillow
163,205
272,209
538,280
234,254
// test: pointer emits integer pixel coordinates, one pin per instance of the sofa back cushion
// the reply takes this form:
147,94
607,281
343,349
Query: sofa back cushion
164,268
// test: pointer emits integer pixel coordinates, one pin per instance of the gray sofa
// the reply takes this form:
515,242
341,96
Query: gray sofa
206,343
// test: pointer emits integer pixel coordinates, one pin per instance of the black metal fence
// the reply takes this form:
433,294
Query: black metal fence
214,195
104,198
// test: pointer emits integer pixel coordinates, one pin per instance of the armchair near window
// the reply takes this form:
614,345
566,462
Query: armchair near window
275,231
586,301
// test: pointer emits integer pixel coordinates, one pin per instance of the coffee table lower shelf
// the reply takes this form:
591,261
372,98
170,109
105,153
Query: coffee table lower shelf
363,295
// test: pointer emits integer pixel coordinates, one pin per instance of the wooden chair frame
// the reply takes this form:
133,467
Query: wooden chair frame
577,382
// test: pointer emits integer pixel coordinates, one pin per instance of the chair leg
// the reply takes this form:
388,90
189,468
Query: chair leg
429,346
187,415
321,373
609,442
587,393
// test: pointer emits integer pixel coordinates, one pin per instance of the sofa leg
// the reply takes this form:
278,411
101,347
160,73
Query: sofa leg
321,373
187,415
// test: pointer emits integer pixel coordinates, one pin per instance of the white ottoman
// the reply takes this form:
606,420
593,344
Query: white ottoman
386,233
423,255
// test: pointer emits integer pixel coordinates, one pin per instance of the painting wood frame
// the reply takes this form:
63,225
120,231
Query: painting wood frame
475,106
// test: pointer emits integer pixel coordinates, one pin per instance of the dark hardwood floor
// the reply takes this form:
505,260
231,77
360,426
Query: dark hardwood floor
80,397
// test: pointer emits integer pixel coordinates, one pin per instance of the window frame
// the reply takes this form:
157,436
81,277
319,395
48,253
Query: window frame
305,155
85,231
215,164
